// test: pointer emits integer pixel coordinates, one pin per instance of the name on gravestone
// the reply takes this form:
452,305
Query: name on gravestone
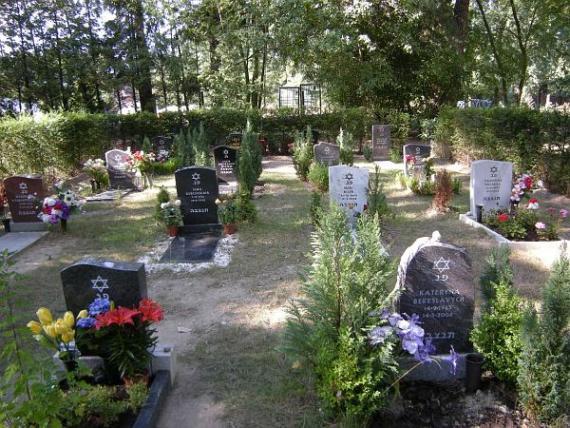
25,195
380,142
436,282
326,153
490,185
119,166
419,153
197,189
348,188
122,283
225,159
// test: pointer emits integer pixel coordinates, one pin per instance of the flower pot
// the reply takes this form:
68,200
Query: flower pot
172,231
473,363
6,223
230,228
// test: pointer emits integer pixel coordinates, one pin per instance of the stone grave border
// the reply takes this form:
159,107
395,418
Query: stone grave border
545,248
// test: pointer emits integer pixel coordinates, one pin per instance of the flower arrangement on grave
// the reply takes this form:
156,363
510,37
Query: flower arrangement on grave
228,214
56,334
123,337
171,215
98,174
54,211
3,201
420,177
143,162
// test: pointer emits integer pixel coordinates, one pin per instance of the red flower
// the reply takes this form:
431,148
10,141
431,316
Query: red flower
150,310
533,201
503,217
119,316
528,182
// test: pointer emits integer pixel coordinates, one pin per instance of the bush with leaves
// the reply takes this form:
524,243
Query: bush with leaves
198,140
250,142
303,153
346,281
248,164
183,150
319,176
316,207
246,209
544,368
367,153
443,191
345,142
497,336
162,197
377,202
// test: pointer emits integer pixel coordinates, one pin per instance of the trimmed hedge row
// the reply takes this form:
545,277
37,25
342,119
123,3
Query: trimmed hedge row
534,141
63,141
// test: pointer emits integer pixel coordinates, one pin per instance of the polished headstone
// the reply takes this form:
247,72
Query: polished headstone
25,196
162,146
123,283
380,142
234,140
490,185
326,153
225,158
348,188
121,175
436,282
420,152
197,189
192,248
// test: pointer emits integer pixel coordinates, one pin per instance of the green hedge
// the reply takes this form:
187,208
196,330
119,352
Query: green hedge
63,141
534,141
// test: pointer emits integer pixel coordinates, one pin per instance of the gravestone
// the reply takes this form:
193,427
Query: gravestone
234,140
380,142
25,196
420,152
225,158
197,189
120,171
436,283
490,185
123,283
326,153
162,147
348,188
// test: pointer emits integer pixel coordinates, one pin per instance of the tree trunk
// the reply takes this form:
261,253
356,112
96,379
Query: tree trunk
145,81
461,16
59,63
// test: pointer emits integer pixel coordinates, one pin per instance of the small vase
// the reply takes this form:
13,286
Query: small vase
230,228
172,231
63,224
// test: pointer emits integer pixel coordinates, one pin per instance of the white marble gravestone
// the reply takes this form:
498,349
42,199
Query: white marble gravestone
348,188
491,185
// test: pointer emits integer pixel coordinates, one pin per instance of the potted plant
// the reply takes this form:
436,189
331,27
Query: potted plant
171,216
228,214
98,174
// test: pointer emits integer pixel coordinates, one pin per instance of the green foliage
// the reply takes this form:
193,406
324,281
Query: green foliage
367,152
544,369
198,141
167,167
497,336
303,154
319,176
249,162
443,191
246,209
162,197
228,212
417,186
377,202
146,145
456,185
346,280
183,149
345,142
316,207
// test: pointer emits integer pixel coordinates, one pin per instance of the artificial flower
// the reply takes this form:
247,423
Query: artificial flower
177,203
61,327
99,306
35,327
378,335
119,316
86,323
68,336
533,204
49,329
164,205
540,226
503,217
69,319
44,315
150,311
563,213
82,314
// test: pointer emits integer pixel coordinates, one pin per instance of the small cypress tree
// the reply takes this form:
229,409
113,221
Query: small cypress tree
544,367
345,142
200,146
303,153
146,146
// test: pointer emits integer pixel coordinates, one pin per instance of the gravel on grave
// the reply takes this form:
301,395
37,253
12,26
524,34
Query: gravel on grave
447,405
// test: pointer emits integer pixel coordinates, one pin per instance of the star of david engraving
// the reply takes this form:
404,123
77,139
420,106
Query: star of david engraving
117,157
441,265
349,176
100,285
494,169
195,176
23,186
327,150
225,152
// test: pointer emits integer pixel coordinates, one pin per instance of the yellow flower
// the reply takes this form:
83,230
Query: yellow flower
69,319
83,314
68,337
49,329
44,315
35,327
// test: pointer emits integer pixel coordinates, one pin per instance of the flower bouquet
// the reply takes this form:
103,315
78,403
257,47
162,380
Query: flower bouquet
123,337
229,215
54,211
143,162
98,174
58,334
171,216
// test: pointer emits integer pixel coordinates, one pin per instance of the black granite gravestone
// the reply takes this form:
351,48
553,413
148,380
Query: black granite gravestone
436,281
326,153
225,158
420,153
162,147
25,196
197,189
123,283
380,142
120,171
234,140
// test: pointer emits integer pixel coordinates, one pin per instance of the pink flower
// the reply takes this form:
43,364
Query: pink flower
533,204
503,217
563,213
540,226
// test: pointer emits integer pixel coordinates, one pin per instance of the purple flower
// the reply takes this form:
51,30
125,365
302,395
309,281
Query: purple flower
378,335
99,306
85,322
453,360
424,352
394,318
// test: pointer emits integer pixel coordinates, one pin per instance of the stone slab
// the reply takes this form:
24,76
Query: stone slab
28,227
191,248
164,358
148,414
19,241
440,370
108,196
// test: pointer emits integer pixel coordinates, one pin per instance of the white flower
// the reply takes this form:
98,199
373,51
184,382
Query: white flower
164,205
403,325
45,218
540,225
50,202
177,203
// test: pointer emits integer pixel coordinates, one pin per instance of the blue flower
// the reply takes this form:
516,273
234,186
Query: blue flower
85,322
453,360
378,335
99,306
